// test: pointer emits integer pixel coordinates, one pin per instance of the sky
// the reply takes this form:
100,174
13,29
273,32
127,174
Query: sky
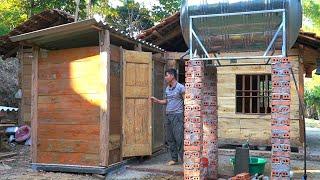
147,3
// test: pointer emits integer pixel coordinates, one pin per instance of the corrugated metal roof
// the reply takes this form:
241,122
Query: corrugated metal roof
6,109
80,34
45,19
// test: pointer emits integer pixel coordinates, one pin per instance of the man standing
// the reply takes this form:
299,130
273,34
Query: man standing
174,126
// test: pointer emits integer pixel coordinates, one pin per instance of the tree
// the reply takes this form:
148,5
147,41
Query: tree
12,13
37,6
165,9
312,99
131,17
311,11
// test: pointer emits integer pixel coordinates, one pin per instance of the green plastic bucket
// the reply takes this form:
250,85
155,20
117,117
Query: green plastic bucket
256,165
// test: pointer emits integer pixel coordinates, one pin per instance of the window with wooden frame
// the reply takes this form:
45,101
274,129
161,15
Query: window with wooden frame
253,94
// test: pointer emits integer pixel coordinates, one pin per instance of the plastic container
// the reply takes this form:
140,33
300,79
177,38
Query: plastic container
23,133
256,165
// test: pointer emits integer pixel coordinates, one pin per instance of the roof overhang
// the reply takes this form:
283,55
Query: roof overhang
79,34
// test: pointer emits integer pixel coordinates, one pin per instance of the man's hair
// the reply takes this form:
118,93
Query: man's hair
172,72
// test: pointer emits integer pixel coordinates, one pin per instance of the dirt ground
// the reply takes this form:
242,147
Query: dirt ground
19,168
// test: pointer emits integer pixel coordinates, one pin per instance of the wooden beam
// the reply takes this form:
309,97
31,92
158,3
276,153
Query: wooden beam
123,98
162,28
34,105
175,55
156,33
104,38
122,85
21,82
174,33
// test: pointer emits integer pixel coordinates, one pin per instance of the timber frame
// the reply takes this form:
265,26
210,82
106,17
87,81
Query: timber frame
66,100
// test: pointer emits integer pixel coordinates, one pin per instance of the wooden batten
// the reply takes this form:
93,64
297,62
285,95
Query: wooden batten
34,105
122,86
104,38
20,56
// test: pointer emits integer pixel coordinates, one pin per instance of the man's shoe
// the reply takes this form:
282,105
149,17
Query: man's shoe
172,162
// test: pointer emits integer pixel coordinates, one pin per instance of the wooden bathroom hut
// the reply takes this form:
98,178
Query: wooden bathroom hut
89,86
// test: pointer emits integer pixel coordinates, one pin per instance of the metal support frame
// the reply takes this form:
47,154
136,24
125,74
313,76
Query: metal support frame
281,29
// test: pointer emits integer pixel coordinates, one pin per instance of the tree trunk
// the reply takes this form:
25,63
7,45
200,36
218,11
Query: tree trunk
89,9
32,5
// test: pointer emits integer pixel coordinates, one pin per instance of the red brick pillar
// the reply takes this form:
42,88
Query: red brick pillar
280,119
210,124
201,122
193,120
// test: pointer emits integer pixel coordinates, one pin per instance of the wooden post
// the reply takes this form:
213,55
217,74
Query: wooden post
34,105
280,119
122,85
21,108
104,38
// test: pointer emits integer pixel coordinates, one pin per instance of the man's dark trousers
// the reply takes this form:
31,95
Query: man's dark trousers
175,134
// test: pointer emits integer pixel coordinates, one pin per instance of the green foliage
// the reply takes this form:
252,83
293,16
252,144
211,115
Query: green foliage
312,98
311,10
12,13
131,17
312,83
37,6
165,9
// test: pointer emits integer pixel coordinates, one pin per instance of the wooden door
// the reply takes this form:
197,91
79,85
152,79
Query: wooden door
136,107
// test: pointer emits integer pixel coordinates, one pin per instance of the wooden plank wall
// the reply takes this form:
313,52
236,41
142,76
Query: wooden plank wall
158,110
26,66
59,74
115,102
236,128
68,107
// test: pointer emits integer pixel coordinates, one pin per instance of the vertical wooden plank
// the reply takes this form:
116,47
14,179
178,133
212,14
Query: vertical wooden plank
34,105
123,100
149,103
122,86
158,111
153,74
104,38
251,94
21,82
301,92
258,87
